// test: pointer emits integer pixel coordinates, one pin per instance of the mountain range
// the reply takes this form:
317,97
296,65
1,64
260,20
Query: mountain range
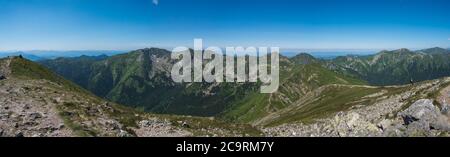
132,94
25,55
395,67
37,55
35,102
142,79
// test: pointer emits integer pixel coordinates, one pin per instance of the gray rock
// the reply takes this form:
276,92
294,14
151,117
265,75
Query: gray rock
19,134
384,124
445,109
112,125
354,124
34,116
2,77
185,124
61,126
418,128
29,123
124,133
423,112
4,116
26,107
87,124
145,123
92,111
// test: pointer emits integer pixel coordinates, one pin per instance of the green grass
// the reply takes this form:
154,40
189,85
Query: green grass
201,126
66,112
250,108
25,69
331,100
256,105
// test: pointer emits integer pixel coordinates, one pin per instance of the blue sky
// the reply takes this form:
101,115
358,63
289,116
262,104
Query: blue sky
289,24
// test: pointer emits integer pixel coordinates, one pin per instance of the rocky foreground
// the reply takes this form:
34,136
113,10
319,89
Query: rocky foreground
39,108
403,114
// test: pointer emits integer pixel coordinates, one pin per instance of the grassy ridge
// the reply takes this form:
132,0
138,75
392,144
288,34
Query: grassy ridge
294,85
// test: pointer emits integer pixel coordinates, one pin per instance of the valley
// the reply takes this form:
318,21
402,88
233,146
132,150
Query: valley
132,94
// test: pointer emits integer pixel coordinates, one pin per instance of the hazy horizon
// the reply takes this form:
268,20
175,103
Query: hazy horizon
305,24
318,53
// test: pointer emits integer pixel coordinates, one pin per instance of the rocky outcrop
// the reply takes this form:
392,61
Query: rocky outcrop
391,116
38,108
155,127
4,67
420,119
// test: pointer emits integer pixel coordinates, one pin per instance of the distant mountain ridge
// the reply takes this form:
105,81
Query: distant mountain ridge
37,55
25,55
141,78
395,67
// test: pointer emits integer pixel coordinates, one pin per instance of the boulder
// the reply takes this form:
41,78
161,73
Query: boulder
19,134
34,116
354,124
185,124
422,114
445,109
384,124
124,133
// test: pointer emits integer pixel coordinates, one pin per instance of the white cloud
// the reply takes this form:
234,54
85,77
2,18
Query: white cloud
155,2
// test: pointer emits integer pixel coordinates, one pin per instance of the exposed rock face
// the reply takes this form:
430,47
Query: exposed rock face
422,112
420,119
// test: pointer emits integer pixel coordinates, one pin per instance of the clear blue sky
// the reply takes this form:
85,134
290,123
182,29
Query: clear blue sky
303,24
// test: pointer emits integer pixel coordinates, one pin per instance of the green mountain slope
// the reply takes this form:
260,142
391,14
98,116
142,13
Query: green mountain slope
348,110
142,79
296,82
395,67
37,102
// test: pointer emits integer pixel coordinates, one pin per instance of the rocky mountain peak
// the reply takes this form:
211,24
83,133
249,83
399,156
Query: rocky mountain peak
154,51
402,50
